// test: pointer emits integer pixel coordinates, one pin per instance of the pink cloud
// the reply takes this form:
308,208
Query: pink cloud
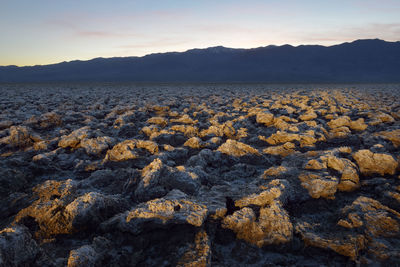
158,42
105,34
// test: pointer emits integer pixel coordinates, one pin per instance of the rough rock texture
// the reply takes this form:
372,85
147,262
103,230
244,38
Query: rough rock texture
122,151
175,208
347,245
376,221
158,179
73,139
347,170
17,248
393,136
83,256
19,137
199,175
319,185
375,163
282,150
265,118
374,228
275,171
198,254
59,211
271,227
237,149
95,146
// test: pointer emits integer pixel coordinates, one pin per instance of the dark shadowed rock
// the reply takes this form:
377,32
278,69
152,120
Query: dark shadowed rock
175,208
20,137
58,210
17,248
158,179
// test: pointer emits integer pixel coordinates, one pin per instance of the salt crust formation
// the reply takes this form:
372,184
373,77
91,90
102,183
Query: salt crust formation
205,175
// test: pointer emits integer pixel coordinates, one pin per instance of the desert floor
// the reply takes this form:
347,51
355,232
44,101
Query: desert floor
199,175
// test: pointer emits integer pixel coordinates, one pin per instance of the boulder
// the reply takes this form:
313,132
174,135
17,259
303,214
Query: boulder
358,125
276,190
17,248
100,252
187,130
199,253
58,211
95,146
194,143
314,164
339,122
309,115
365,225
319,185
20,137
158,121
46,121
282,150
349,179
184,119
265,118
281,137
90,209
375,163
237,149
122,151
393,136
347,245
272,226
150,146
381,117
376,219
274,171
161,213
339,132
158,179
83,256
73,139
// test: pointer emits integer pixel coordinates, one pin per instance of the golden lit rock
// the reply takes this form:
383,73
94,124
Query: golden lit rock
122,151
265,118
375,163
237,149
319,186
199,253
282,150
273,226
393,136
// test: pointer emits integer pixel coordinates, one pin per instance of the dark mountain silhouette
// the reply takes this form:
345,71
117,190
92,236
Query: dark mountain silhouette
359,61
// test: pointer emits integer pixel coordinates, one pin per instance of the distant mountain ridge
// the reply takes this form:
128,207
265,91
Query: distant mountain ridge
370,60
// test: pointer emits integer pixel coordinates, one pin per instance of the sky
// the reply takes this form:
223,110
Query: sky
38,32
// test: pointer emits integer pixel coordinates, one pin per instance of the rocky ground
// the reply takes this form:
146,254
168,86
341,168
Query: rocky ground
190,175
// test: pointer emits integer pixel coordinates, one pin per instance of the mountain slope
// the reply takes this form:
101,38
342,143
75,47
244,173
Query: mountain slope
359,61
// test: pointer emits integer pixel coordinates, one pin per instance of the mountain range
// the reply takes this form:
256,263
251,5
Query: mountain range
371,60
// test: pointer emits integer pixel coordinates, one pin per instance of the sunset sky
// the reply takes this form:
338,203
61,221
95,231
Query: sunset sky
50,31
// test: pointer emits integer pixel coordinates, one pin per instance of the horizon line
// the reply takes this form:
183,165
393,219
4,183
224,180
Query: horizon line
195,48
